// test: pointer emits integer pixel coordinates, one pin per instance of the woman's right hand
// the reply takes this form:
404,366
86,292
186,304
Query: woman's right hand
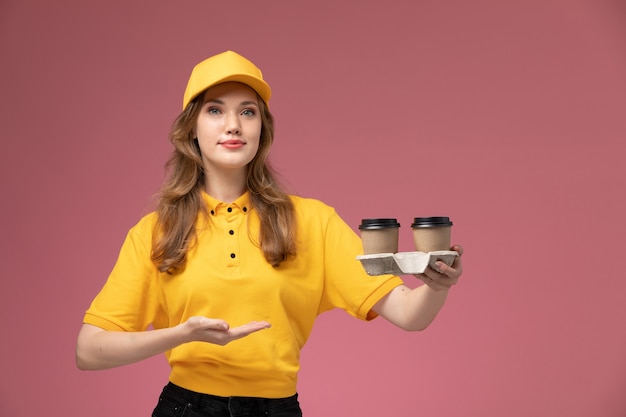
97,348
204,329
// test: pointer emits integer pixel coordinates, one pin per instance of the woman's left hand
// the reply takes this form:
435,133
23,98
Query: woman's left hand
447,276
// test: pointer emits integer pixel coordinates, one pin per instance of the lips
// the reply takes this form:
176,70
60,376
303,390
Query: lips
232,143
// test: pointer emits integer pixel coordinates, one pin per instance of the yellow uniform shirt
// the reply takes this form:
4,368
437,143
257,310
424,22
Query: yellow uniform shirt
227,277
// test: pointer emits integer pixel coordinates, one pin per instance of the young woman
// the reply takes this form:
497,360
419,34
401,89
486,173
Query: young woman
230,272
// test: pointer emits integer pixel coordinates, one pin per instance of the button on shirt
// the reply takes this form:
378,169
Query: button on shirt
227,219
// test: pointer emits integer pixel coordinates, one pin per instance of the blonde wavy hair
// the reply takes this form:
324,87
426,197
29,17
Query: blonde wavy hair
180,199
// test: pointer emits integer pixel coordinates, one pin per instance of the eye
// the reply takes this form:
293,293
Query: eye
213,110
248,112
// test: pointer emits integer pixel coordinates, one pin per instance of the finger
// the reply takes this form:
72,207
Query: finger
431,274
249,328
215,324
442,268
446,271
458,248
252,327
257,325
207,323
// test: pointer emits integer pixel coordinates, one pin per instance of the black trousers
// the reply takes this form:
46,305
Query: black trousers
176,401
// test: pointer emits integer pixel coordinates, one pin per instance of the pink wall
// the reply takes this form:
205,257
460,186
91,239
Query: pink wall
506,116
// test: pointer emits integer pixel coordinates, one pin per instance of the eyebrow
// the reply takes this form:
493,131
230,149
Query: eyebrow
243,103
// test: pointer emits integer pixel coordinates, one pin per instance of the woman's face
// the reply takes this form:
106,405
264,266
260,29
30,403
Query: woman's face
228,127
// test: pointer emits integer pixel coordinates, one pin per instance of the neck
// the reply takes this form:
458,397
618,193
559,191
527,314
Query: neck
226,186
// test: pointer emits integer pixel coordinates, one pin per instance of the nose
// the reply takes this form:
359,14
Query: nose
233,127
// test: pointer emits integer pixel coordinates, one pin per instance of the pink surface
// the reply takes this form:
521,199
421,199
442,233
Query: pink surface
506,116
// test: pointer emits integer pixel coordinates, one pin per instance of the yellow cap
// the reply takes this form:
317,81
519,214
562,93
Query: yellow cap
227,66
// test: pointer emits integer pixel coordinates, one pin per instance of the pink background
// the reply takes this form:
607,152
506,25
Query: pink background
508,116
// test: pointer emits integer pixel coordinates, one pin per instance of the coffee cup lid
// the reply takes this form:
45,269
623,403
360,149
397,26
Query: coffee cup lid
371,224
431,222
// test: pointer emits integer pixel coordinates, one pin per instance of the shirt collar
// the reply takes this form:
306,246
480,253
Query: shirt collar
215,206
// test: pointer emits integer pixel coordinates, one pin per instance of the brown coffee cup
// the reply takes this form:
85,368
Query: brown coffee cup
379,235
431,234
